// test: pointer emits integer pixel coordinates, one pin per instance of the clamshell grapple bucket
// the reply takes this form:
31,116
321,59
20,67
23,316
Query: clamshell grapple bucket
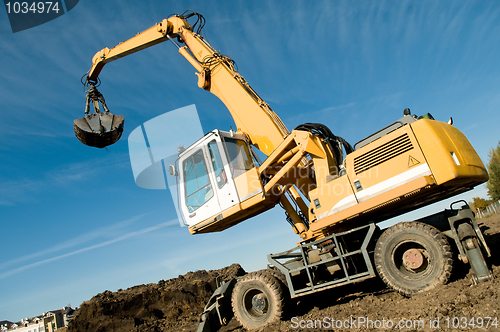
98,129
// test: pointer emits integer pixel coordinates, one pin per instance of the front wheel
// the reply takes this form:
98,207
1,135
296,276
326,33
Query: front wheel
412,257
257,300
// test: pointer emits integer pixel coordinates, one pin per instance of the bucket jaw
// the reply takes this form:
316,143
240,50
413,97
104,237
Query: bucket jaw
98,129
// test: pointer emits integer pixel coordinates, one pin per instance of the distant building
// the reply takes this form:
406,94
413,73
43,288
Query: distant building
4,324
48,322
28,324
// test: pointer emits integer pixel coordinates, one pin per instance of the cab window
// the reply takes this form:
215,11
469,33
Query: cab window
216,160
198,188
239,156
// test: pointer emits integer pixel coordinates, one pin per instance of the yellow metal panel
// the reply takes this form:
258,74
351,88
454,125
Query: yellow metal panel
380,205
390,155
334,196
450,156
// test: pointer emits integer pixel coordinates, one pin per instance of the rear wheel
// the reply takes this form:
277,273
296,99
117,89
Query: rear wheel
257,300
413,257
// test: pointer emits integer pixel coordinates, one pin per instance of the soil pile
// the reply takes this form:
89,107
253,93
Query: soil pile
169,305
176,304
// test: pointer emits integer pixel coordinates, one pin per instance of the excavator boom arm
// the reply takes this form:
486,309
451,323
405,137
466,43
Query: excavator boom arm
152,36
216,73
251,114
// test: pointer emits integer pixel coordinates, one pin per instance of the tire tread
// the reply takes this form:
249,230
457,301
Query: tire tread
276,288
419,227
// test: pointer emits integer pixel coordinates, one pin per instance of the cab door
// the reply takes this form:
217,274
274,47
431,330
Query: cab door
224,182
206,187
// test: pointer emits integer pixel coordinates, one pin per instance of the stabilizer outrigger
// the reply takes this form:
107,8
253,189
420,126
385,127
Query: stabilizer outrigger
217,312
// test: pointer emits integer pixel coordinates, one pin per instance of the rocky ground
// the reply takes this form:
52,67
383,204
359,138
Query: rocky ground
176,304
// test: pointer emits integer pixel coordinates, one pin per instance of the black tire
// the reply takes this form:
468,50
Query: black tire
257,300
432,266
278,275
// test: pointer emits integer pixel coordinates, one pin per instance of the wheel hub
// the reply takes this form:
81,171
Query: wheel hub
259,302
413,259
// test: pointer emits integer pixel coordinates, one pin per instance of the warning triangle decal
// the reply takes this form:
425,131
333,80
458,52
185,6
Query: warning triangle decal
412,162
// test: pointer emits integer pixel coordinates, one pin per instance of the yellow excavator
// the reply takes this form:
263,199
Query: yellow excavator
333,193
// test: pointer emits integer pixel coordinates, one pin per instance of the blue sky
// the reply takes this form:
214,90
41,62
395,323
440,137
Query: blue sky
72,221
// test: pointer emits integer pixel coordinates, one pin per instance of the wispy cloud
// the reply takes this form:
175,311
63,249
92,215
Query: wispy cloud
22,189
321,115
85,249
76,241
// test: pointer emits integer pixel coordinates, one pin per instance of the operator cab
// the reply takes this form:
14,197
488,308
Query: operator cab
215,175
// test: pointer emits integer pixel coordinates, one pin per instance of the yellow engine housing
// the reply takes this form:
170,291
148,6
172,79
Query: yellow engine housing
416,165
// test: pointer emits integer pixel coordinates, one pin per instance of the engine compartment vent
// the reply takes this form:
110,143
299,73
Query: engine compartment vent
383,153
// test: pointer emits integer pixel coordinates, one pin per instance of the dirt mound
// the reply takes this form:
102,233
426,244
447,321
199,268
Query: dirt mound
176,304
169,305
